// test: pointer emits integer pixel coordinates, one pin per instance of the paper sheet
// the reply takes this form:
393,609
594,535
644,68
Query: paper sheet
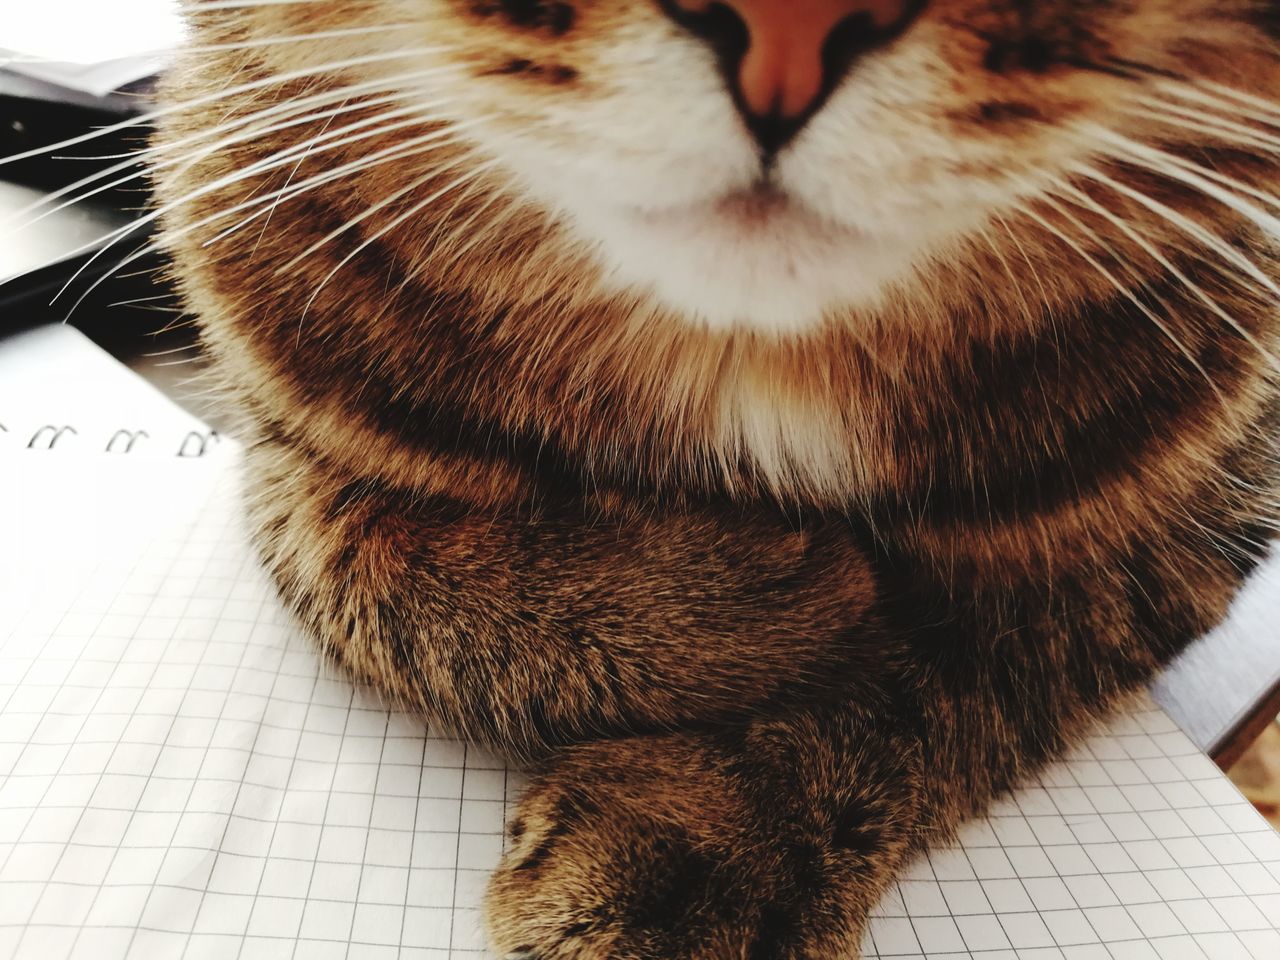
61,392
89,45
181,775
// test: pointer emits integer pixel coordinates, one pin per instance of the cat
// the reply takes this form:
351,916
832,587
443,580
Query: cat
783,425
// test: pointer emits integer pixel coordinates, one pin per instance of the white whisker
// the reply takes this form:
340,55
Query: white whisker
254,169
1155,254
1022,250
1157,161
1188,225
1200,116
400,151
1195,94
412,211
1240,95
193,157
435,140
289,180
367,213
274,80
1111,278
1207,128
256,43
260,42
459,231
1210,240
240,4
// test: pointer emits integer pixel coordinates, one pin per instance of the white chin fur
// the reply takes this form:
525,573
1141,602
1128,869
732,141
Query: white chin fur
780,273
858,204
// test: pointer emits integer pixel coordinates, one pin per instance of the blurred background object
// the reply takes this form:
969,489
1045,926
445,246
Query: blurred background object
1257,774
78,74
89,46
76,84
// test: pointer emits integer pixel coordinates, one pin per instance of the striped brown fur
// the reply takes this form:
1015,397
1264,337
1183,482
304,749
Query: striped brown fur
768,610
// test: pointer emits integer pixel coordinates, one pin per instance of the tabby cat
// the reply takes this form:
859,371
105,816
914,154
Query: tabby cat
783,423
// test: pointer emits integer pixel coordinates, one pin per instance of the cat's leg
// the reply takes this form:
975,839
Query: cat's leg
525,630
772,841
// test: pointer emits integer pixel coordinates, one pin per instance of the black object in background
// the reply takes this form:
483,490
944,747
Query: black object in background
37,259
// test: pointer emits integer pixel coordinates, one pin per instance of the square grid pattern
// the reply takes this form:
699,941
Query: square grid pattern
1134,847
182,776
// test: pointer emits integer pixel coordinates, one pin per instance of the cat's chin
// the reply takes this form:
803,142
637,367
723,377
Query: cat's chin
755,259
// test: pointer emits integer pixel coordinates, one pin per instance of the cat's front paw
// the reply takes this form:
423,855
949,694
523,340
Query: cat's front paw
663,849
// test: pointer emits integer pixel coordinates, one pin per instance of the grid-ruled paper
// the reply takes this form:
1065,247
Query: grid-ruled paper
181,776
1134,847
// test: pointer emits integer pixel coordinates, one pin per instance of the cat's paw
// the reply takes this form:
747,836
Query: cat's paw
663,849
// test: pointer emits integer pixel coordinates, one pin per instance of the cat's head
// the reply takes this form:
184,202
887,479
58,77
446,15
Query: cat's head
769,163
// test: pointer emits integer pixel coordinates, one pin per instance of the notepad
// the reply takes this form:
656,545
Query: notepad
182,775
59,391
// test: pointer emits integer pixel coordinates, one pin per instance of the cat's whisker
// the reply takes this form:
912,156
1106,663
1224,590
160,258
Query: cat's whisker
436,140
289,192
1028,312
1022,251
142,120
290,106
293,191
1200,116
397,221
256,43
1156,255
153,354
477,237
368,212
1206,127
1193,94
283,39
252,170
1242,96
406,83
1107,275
401,151
431,242
1157,161
288,181
186,161
1268,223
141,304
1208,239
404,117
189,159
242,4
398,83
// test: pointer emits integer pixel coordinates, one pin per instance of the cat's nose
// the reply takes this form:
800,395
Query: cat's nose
781,57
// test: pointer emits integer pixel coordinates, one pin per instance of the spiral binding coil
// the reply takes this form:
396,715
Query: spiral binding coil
196,443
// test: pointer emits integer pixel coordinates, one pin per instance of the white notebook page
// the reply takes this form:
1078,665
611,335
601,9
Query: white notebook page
59,390
180,773
181,776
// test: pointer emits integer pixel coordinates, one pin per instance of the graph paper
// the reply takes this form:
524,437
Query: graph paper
182,776
1134,847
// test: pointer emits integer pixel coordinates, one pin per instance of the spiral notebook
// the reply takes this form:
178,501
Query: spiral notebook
58,391
182,776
